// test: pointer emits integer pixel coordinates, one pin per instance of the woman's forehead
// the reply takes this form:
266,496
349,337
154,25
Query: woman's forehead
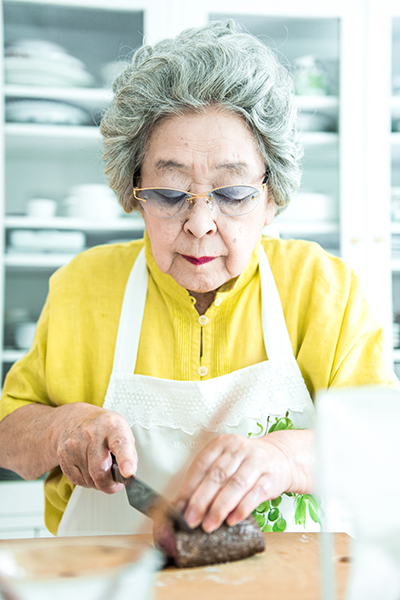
220,141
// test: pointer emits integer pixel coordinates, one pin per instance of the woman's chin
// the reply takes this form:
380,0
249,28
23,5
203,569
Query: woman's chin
201,282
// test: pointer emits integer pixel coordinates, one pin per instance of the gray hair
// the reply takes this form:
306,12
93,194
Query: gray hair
215,65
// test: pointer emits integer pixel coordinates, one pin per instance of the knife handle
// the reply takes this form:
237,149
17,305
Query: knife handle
115,472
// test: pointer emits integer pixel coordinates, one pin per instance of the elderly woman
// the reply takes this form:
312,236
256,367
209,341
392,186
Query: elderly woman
173,352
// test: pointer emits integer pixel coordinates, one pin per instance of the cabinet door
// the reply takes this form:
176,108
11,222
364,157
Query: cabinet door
395,181
60,59
327,37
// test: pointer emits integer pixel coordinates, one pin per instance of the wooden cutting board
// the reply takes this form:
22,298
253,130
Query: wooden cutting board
288,569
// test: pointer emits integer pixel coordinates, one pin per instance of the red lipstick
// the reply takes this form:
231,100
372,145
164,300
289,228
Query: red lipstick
198,261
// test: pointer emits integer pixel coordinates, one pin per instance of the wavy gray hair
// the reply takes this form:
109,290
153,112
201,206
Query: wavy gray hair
218,64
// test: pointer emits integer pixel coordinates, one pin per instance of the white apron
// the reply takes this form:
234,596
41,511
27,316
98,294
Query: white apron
172,420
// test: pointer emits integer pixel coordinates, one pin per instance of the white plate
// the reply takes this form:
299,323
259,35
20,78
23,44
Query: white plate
31,71
46,112
41,49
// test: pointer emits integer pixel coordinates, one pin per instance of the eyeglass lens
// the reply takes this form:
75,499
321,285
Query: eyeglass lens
236,200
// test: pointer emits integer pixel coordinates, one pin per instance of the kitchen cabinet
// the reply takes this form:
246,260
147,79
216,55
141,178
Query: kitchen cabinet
47,157
351,160
22,510
395,183
335,206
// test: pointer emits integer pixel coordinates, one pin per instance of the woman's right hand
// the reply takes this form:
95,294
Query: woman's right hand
84,438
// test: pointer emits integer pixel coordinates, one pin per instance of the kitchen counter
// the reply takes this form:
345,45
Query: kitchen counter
288,569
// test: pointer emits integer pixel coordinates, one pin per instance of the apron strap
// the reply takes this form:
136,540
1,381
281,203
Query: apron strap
276,337
130,323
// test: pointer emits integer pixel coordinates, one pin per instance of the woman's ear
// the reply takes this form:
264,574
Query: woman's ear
271,209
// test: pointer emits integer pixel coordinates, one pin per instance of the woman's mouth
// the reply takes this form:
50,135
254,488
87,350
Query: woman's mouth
198,261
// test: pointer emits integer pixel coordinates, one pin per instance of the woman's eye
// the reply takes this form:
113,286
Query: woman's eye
230,195
170,196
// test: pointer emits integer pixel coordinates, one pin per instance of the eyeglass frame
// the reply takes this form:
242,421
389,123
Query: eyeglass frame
192,197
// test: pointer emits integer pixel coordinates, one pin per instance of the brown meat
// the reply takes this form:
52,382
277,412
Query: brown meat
197,548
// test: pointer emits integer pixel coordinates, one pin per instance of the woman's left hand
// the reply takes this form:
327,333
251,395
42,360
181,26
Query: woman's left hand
232,475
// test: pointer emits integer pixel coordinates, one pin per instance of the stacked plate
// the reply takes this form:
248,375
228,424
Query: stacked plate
92,202
51,112
43,63
39,241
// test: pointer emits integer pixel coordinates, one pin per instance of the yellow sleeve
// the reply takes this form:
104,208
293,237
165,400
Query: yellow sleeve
359,358
335,337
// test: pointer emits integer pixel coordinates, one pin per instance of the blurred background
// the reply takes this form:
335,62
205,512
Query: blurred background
58,63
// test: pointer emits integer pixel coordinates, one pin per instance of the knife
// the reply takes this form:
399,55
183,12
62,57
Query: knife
146,500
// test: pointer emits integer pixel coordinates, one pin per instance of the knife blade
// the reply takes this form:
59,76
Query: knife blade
144,499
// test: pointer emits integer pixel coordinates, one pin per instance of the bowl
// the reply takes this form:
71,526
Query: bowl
43,208
83,570
24,334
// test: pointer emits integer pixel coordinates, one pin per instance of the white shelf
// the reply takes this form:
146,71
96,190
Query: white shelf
10,355
319,138
39,261
19,136
328,105
128,224
395,144
395,105
90,98
87,98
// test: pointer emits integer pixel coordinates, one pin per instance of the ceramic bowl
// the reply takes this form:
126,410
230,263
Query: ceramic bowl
83,570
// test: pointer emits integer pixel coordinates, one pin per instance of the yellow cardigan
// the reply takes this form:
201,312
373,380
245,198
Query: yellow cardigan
335,339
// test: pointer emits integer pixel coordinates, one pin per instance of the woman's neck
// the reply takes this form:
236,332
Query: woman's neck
203,300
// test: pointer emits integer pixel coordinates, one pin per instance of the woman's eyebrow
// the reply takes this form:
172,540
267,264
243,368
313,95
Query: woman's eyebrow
167,165
239,168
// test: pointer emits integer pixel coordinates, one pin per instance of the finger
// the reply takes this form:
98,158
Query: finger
99,464
218,476
74,474
264,489
121,443
73,464
197,471
228,497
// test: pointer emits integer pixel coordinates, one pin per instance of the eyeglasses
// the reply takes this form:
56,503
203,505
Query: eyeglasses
230,200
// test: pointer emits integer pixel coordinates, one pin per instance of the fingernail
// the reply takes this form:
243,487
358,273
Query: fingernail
209,525
192,519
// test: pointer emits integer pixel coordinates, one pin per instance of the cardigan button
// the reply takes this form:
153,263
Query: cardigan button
217,300
203,320
203,371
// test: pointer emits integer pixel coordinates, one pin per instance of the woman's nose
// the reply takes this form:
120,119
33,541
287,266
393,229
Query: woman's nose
200,218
